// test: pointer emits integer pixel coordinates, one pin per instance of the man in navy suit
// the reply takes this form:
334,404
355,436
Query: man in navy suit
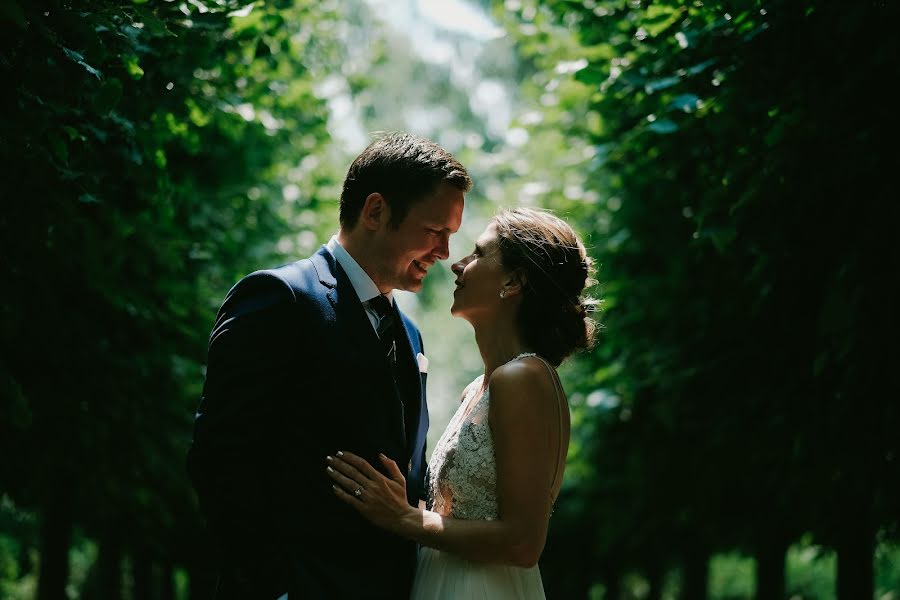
297,371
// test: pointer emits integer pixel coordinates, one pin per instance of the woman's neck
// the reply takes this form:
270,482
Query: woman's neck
498,342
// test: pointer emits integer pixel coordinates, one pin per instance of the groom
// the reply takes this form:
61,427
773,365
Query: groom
314,357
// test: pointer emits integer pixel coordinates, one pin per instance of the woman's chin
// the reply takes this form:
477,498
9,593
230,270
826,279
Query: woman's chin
462,313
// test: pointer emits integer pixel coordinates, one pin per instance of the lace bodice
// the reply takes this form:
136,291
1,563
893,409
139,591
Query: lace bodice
462,474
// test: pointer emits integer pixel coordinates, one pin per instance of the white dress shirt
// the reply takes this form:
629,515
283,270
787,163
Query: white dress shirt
362,284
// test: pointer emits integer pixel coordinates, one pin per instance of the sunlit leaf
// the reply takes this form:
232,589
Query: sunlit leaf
76,57
663,126
661,84
242,12
659,17
685,103
132,66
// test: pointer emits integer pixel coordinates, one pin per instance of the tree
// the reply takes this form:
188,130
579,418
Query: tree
146,147
737,290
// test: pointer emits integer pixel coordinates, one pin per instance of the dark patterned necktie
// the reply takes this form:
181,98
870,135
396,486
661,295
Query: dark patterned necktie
387,334
386,327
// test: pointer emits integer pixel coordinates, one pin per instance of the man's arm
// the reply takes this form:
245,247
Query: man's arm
231,462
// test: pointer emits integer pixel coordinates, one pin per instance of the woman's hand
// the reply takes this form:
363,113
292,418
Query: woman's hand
377,498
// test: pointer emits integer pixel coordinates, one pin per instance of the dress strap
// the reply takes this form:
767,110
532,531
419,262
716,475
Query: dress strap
557,388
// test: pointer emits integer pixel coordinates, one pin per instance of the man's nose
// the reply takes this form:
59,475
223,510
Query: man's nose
442,251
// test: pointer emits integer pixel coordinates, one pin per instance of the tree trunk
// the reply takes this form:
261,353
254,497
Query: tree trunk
56,537
613,585
696,576
770,558
613,581
855,562
166,581
655,578
143,576
201,582
110,567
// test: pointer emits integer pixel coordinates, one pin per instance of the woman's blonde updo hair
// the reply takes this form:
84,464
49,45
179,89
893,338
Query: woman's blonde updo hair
554,315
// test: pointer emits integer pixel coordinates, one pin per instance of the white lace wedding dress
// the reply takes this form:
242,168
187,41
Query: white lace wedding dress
462,483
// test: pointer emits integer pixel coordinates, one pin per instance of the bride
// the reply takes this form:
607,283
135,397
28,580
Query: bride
497,469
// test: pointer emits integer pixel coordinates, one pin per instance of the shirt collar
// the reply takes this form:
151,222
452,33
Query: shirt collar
362,284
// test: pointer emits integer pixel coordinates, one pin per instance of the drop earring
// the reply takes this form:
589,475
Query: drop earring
503,293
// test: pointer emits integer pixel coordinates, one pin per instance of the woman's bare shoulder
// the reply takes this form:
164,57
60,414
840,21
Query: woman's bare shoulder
526,379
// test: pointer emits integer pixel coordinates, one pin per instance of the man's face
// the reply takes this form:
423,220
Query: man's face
407,252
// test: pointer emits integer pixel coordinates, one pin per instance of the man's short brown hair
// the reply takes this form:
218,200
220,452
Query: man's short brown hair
402,167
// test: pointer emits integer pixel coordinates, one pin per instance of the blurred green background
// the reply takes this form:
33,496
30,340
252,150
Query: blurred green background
730,166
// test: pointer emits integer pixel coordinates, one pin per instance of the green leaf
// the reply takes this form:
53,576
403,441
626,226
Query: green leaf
76,57
59,149
663,126
699,68
132,66
592,75
74,134
262,49
685,102
242,12
659,17
153,24
774,135
661,84
109,95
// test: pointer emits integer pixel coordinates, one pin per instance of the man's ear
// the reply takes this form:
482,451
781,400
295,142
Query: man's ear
375,212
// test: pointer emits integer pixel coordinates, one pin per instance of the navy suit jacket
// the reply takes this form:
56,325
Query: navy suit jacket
295,373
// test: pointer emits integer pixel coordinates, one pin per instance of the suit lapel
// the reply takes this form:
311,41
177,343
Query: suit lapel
359,342
409,371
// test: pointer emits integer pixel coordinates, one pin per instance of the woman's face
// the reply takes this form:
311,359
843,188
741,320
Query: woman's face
479,278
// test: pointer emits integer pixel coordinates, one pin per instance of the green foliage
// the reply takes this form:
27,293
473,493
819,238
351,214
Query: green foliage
731,576
740,393
143,149
727,163
887,567
809,572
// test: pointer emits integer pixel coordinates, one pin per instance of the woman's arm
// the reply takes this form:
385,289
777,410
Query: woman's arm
524,418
